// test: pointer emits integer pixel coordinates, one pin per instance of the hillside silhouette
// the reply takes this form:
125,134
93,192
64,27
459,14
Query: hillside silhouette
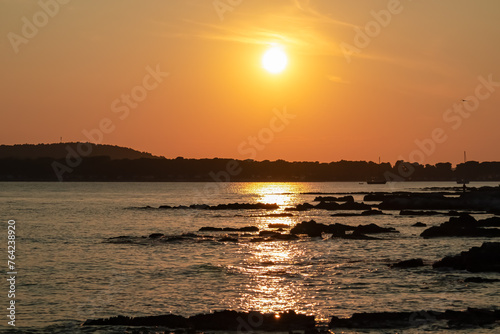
60,150
70,162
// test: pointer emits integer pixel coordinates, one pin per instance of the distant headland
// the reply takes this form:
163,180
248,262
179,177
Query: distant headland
78,161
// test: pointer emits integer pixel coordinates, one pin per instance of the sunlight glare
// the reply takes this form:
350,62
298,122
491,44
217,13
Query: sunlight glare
275,60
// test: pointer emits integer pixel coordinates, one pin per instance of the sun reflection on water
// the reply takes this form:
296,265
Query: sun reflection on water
275,283
281,193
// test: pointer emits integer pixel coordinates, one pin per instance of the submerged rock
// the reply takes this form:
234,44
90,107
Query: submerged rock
268,233
477,259
228,239
419,213
354,236
301,207
413,263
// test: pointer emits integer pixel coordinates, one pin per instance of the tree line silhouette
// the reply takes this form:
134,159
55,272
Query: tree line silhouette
103,168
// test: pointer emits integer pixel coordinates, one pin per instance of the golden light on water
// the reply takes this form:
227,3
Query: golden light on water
270,269
274,281
281,193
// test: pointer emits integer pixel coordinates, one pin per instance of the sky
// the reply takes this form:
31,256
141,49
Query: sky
413,80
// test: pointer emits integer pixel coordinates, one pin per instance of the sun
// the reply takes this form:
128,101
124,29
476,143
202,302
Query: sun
274,60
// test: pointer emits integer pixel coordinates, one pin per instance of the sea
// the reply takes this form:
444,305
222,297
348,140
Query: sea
71,264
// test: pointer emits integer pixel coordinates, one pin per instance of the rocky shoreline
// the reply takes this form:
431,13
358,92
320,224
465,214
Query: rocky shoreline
457,207
228,320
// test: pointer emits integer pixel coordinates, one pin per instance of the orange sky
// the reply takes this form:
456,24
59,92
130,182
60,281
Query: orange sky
365,78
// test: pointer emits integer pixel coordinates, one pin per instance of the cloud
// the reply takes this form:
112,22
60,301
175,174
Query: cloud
305,7
337,79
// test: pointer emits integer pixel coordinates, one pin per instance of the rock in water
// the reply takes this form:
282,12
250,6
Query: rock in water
413,263
477,259
218,321
461,226
451,319
311,228
373,228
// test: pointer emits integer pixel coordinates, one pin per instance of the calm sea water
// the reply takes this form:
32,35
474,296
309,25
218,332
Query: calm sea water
68,272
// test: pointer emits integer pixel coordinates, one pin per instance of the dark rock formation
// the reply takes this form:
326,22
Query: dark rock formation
301,207
245,206
334,199
229,229
230,206
372,213
419,224
333,206
218,321
168,321
390,320
489,222
413,263
373,228
461,226
480,280
311,228
483,199
373,320
314,229
477,259
282,237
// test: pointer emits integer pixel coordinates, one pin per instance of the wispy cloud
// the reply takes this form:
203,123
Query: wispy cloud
337,79
306,8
